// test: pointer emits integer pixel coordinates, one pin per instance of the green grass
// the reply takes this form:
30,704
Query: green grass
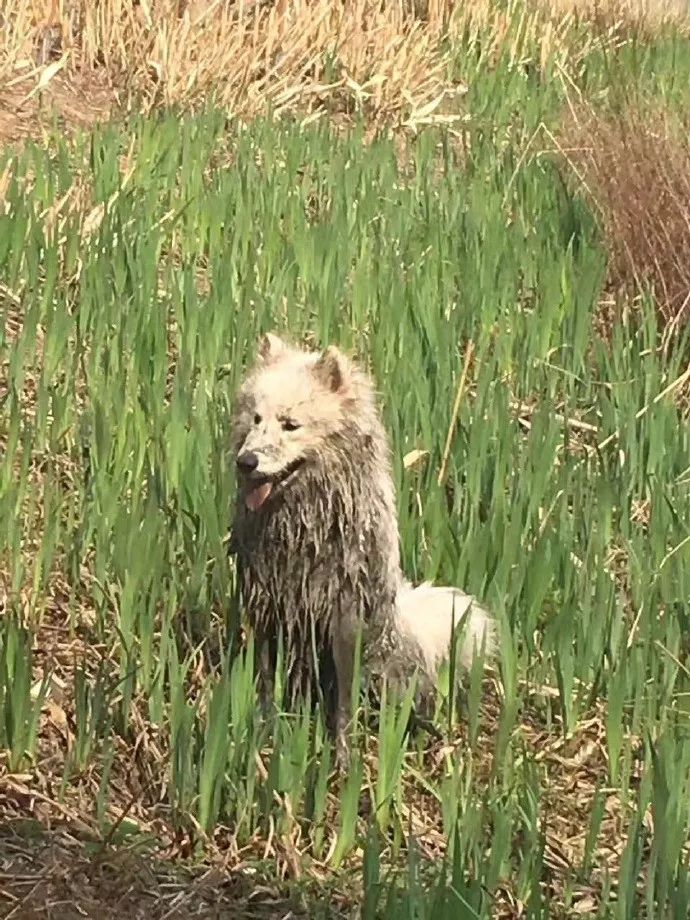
566,506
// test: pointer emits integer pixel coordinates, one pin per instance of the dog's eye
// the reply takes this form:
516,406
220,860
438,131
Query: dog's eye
257,419
290,424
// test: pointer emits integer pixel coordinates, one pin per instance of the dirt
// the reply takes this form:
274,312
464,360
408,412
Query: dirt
69,102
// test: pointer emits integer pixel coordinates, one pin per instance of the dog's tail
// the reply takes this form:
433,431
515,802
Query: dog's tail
429,617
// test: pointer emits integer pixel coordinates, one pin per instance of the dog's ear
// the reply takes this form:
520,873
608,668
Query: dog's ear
271,347
331,369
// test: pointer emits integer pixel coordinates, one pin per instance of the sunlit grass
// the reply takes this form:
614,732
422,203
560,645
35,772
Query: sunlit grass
136,272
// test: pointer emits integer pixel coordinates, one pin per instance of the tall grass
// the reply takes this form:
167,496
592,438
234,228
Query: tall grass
137,272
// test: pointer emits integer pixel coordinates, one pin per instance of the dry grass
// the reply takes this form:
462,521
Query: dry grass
378,57
650,14
636,169
51,876
388,59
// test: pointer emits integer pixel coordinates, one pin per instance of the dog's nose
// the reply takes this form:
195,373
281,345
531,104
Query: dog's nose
247,461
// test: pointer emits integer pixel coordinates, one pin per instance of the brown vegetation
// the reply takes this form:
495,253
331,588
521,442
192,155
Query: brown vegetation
387,58
636,170
292,54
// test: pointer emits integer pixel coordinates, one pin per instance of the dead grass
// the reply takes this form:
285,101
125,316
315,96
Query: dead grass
54,876
645,14
382,58
635,168
390,60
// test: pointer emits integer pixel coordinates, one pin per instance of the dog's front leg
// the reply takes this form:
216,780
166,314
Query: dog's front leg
266,676
344,660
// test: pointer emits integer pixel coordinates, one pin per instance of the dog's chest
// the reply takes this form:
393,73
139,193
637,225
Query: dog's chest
312,569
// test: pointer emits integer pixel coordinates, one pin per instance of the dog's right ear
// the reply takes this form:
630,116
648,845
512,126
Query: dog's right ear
271,347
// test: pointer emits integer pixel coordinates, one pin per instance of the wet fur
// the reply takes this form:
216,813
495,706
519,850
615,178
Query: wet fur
321,557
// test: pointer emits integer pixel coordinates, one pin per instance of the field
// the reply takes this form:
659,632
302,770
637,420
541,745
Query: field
503,237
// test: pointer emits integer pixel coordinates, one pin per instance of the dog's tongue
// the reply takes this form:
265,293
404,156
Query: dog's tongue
258,496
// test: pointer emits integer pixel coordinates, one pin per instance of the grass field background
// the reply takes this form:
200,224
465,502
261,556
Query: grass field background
528,246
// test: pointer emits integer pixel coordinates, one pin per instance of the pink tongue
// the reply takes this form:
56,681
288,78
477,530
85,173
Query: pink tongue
258,496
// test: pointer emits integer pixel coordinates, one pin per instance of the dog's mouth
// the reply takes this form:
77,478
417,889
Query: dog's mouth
260,488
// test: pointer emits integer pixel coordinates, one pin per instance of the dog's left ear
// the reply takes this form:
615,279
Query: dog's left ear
331,369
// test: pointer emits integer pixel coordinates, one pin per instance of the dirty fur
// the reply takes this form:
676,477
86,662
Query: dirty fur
316,536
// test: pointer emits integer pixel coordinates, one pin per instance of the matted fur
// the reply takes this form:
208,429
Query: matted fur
316,535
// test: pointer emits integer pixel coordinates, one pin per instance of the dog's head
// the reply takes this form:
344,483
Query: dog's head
289,408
